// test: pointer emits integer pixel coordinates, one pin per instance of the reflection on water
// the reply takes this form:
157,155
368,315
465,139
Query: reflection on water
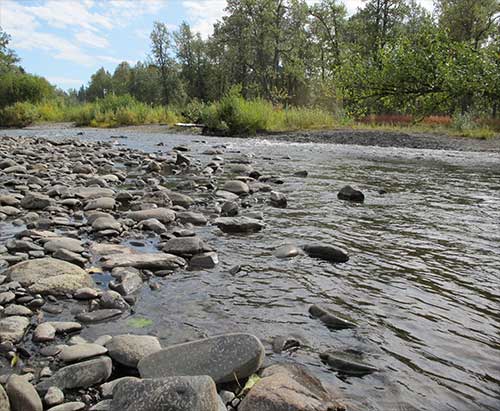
422,282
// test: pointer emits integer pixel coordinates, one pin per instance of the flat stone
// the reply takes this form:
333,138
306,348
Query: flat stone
81,352
98,315
7,297
15,309
129,349
12,329
70,257
239,224
326,252
80,375
196,393
164,215
224,358
144,261
69,406
88,193
106,223
22,395
66,243
103,203
49,276
35,201
64,327
345,364
191,217
86,293
184,246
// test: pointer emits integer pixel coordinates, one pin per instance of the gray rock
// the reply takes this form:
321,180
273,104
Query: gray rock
69,406
351,194
326,252
80,375
145,261
106,223
35,201
179,199
130,349
164,215
44,332
112,299
98,315
22,246
288,387
230,209
329,319
184,246
65,243
103,203
278,199
224,358
15,309
88,193
107,388
22,395
130,280
205,260
4,400
86,293
7,297
197,393
287,251
12,329
53,396
152,224
345,364
239,224
70,257
192,218
81,352
101,406
236,187
64,327
49,276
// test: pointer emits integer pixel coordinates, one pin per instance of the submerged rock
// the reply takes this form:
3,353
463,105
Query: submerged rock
345,364
287,251
239,224
144,261
326,252
224,358
329,319
350,194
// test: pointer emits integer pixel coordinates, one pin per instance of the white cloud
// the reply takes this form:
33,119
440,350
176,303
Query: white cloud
202,14
65,81
91,39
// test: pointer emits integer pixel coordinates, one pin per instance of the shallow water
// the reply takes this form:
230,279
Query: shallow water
422,283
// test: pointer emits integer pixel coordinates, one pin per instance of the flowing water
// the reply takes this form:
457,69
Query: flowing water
422,283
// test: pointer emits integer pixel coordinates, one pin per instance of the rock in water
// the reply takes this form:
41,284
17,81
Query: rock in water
350,194
345,365
287,251
330,319
327,253
196,393
129,349
278,199
239,224
288,387
22,395
224,358
49,276
79,375
144,261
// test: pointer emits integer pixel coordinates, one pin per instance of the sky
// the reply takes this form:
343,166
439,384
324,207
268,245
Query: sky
66,41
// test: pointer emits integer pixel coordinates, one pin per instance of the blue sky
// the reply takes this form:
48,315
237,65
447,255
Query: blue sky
68,40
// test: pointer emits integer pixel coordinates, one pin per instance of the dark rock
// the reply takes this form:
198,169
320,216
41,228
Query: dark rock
239,224
204,260
329,319
326,252
278,199
351,194
345,365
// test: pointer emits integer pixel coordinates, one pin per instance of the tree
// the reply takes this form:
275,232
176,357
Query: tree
161,53
101,83
8,57
121,78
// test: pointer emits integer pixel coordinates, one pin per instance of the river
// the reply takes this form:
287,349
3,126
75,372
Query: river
422,282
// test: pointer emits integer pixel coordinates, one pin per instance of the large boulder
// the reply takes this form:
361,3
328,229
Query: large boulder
49,276
144,261
291,388
130,349
4,400
225,358
80,375
22,395
196,393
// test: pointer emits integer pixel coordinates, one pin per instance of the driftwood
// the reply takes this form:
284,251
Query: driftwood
189,125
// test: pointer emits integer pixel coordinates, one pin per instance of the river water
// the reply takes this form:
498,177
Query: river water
422,283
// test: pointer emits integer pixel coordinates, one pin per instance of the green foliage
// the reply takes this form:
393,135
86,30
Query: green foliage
20,114
16,86
139,322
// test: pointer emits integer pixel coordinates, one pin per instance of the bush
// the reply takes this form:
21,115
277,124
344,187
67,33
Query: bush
20,114
463,122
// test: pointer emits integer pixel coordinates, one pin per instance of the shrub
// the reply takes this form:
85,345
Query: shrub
463,122
20,114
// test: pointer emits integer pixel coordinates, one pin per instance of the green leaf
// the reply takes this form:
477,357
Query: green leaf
140,322
14,360
254,379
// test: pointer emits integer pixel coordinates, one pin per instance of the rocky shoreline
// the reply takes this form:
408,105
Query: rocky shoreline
75,217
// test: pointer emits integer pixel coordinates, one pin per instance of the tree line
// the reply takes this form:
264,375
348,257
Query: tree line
391,56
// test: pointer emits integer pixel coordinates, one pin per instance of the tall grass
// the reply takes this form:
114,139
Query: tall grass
112,111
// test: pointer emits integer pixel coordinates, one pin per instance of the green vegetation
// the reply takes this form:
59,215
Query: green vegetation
279,65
